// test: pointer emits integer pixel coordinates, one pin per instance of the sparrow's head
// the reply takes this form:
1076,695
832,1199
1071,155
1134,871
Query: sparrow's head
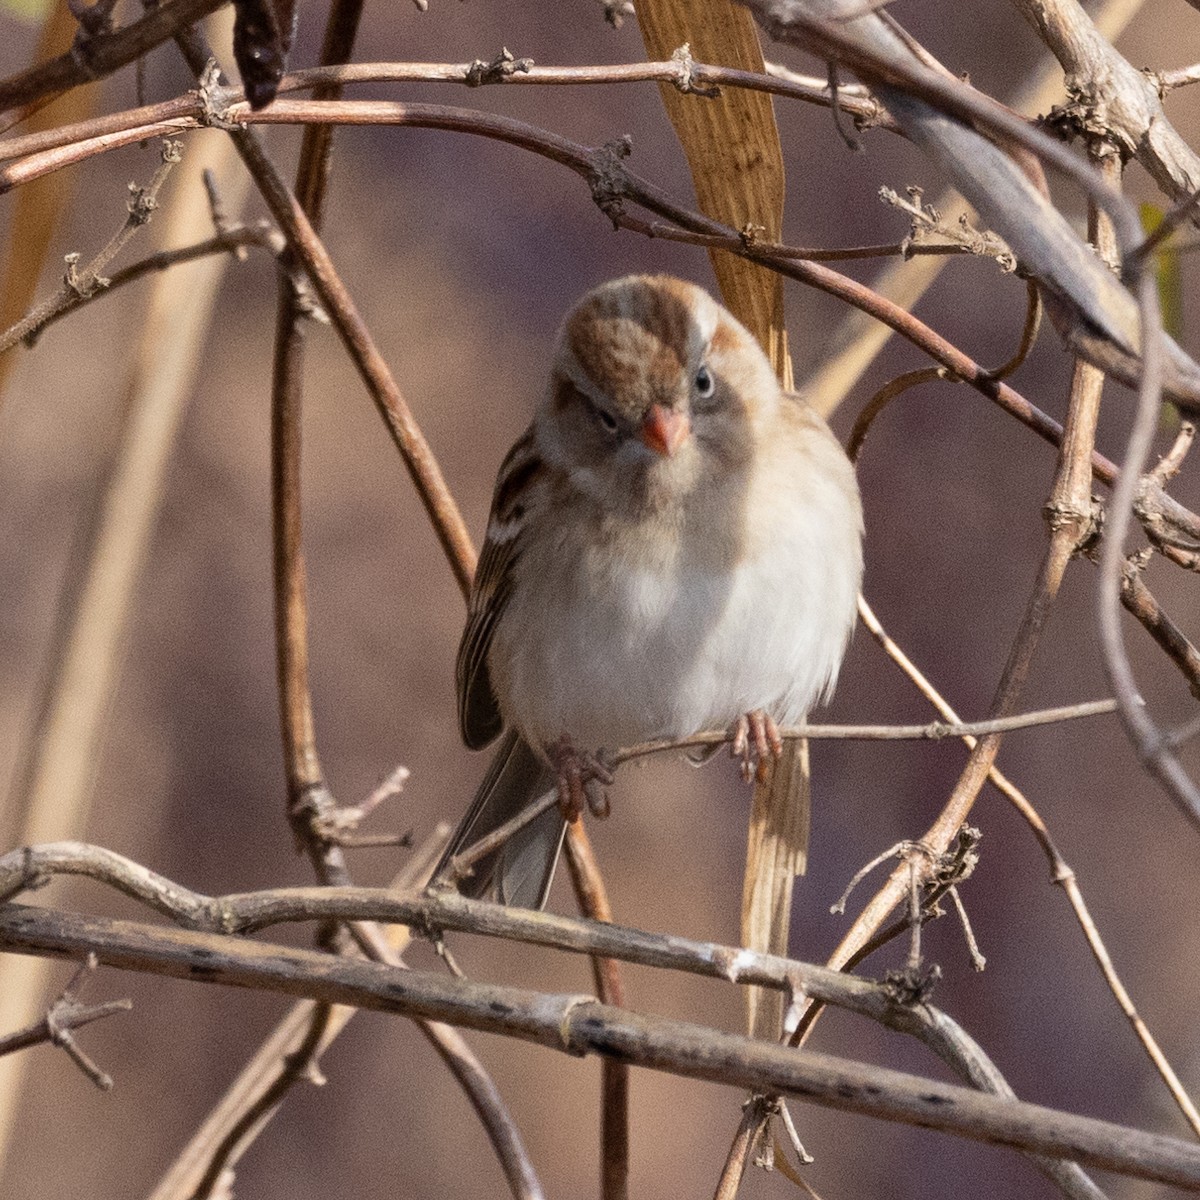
653,377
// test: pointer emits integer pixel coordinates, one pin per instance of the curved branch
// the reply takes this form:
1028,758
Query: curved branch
99,54
581,1025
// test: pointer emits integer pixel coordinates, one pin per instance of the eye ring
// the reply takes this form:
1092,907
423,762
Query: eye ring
605,419
705,384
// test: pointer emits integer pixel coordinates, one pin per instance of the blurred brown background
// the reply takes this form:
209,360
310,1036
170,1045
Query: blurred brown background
462,255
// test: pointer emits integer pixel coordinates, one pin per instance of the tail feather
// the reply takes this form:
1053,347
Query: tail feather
520,872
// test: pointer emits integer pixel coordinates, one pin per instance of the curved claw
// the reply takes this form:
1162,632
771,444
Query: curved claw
582,779
755,741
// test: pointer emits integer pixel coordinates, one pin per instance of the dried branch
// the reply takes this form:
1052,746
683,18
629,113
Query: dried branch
857,341
311,808
921,98
234,239
446,911
932,731
63,1016
613,187
1069,509
580,1025
1110,100
99,54
1071,492
1154,750
285,1057
327,81
313,257
294,1065
611,184
81,285
1141,602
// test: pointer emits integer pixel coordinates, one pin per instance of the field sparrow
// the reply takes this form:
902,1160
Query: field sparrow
674,542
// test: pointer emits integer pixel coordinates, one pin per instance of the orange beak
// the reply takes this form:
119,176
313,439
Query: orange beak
664,430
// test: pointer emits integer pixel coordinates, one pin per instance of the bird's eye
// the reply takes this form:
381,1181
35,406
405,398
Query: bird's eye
607,421
705,386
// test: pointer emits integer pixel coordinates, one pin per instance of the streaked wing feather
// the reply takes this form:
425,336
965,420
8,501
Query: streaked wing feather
479,718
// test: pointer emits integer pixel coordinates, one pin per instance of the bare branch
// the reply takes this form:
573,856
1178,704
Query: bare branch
1111,100
65,1015
80,285
921,98
581,1025
932,731
102,53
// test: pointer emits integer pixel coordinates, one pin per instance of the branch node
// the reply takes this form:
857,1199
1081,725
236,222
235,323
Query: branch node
731,963
67,1013
1085,115
496,71
685,77
566,1020
83,284
751,234
607,178
214,97
31,877
925,221
912,984
1088,524
335,825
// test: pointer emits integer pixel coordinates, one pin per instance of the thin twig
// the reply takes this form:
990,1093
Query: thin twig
297,1064
1142,603
751,1131
1153,749
229,241
264,1068
459,867
82,284
931,731
62,1017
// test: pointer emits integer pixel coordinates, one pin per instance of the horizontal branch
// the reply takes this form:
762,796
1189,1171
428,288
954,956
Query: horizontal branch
248,912
579,1025
931,731
613,188
699,78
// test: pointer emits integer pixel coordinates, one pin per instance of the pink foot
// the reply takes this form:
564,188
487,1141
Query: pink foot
755,740
582,779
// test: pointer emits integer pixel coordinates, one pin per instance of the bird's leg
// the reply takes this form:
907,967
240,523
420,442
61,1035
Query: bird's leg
582,779
755,740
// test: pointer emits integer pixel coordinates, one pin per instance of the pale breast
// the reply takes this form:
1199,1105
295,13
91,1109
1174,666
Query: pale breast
612,645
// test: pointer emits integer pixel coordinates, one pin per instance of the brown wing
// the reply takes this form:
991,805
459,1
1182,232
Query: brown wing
479,718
